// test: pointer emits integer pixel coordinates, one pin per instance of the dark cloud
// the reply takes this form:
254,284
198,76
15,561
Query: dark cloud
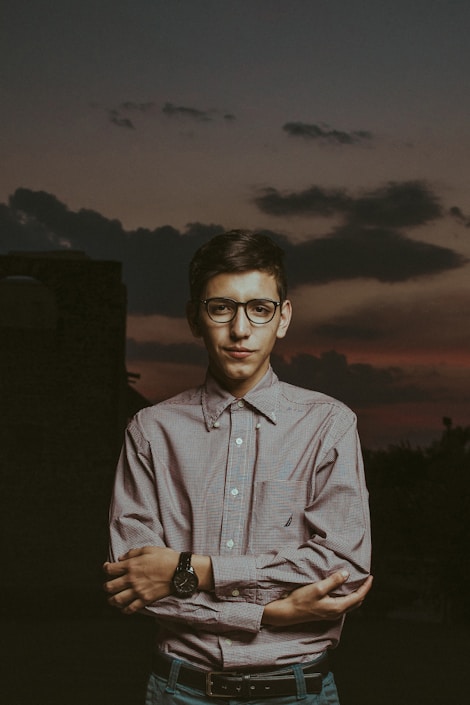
313,201
373,253
137,107
178,110
324,133
180,353
457,213
181,111
121,115
155,261
395,205
117,119
399,322
358,385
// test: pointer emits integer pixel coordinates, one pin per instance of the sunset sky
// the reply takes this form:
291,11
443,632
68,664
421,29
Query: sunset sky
135,129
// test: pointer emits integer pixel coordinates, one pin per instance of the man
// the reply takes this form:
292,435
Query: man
239,518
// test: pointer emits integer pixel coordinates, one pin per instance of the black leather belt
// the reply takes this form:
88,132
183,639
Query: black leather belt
238,684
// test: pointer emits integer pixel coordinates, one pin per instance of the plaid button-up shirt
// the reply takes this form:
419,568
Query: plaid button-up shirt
271,486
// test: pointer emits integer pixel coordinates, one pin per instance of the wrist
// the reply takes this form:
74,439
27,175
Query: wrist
276,613
203,568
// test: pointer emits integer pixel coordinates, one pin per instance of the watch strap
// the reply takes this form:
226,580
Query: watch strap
184,562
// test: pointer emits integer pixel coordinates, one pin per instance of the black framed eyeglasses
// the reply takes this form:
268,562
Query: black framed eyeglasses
258,311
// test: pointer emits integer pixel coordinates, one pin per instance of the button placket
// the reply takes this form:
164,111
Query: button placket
232,521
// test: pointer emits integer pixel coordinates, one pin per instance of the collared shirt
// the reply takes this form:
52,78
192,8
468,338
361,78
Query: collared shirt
271,486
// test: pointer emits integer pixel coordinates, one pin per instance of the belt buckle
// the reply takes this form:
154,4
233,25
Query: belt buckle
210,685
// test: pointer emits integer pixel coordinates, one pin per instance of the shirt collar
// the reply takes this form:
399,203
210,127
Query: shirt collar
263,397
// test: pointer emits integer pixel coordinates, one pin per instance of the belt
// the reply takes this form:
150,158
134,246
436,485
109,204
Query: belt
238,684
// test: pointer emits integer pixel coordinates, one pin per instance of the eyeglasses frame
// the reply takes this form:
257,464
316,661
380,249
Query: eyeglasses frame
277,304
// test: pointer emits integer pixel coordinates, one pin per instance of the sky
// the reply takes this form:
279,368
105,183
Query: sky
135,130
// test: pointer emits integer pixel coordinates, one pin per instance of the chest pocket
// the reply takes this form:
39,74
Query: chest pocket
278,515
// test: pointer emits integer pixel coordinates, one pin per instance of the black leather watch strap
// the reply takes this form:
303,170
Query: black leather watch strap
184,562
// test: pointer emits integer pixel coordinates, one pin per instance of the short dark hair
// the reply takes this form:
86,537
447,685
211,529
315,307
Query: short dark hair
237,251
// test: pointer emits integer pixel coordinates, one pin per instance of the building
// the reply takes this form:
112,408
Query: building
63,396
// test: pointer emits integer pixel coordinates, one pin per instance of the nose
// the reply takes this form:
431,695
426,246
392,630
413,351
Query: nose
240,327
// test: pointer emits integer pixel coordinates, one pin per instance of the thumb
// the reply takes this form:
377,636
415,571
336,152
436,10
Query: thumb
333,581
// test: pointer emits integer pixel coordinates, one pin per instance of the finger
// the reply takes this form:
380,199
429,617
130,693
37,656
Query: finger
356,598
114,569
117,585
122,599
133,607
333,581
132,553
362,591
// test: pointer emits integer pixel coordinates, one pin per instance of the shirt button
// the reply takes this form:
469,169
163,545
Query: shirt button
239,441
235,593
230,543
240,403
216,424
228,642
234,491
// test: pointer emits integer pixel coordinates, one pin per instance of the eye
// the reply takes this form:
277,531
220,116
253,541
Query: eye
261,308
221,306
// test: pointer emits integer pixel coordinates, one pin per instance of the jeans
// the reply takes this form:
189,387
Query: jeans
163,692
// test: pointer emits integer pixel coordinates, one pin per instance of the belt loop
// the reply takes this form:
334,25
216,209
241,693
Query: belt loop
300,681
173,676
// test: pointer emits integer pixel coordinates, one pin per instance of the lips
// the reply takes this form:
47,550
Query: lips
238,353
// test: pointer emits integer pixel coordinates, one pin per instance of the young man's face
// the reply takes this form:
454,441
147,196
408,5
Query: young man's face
239,351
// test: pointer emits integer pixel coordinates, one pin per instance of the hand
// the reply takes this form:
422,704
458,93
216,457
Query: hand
312,603
140,577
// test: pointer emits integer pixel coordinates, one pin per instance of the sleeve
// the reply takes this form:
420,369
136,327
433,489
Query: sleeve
134,522
338,524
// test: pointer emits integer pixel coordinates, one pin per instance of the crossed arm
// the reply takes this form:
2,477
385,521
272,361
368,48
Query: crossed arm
143,576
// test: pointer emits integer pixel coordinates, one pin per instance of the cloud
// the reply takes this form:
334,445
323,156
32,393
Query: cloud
352,252
116,119
404,322
396,205
324,133
125,114
155,261
178,110
358,385
137,107
315,201
457,213
181,111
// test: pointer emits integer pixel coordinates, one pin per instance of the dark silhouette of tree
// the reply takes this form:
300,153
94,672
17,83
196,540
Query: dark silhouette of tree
420,510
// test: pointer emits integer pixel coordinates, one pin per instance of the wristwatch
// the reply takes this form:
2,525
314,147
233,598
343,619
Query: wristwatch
184,580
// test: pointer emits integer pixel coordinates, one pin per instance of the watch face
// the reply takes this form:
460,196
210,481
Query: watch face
185,582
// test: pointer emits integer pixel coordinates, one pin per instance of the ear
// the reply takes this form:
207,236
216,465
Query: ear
192,315
285,318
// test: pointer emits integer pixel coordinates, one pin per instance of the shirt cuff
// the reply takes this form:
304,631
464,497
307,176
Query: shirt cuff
235,578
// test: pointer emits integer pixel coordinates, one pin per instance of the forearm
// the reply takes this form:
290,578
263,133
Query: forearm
206,613
267,577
